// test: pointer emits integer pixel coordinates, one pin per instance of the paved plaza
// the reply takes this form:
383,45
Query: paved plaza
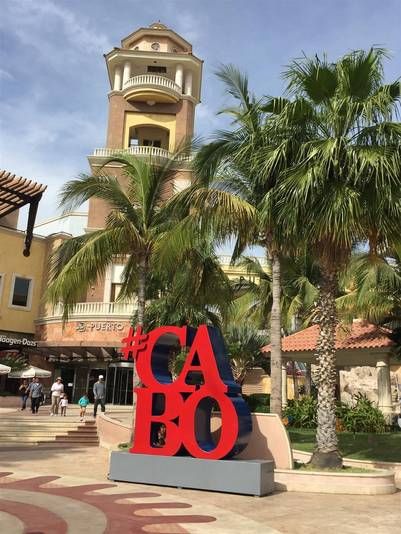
59,491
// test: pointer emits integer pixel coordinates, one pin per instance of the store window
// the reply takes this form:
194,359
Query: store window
21,292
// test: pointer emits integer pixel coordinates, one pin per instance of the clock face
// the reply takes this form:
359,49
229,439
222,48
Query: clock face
155,46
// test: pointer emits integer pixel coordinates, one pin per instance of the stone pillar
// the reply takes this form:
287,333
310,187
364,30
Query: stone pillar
127,72
384,385
179,75
284,385
188,83
117,79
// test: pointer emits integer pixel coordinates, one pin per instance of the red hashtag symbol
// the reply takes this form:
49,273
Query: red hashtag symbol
135,342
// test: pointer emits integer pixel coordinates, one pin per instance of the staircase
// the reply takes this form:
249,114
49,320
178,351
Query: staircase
44,431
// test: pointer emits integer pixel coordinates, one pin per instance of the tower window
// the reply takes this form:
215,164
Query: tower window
156,68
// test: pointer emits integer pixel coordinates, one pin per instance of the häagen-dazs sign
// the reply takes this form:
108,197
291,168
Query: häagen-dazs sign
18,341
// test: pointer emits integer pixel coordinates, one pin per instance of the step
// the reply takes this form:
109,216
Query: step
46,432
47,429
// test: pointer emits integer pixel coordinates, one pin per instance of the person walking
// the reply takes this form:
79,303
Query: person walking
99,392
83,403
35,390
57,390
23,391
63,404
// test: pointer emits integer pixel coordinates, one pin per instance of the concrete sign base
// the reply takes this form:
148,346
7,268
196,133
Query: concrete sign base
247,477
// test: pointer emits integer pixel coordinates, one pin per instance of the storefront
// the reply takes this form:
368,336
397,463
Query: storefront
14,346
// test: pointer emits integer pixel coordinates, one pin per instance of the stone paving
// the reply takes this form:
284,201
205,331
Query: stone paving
56,491
52,486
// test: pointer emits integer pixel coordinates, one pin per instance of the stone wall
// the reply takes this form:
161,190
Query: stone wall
355,380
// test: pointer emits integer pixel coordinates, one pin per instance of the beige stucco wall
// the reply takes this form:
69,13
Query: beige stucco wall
12,261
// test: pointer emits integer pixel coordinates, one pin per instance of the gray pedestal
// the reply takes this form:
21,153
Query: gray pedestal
247,477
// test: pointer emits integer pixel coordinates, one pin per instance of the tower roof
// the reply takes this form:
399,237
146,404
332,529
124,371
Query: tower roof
157,29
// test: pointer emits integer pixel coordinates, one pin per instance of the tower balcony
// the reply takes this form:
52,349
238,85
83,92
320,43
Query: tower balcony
156,153
152,88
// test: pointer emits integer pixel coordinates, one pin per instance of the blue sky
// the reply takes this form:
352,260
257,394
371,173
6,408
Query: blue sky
53,82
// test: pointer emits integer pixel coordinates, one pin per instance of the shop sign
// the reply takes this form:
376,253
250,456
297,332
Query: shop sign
100,326
174,416
23,341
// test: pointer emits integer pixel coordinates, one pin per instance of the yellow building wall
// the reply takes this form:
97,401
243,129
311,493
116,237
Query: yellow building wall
12,261
150,119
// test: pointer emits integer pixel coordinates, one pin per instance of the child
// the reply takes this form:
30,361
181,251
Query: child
161,436
83,403
64,404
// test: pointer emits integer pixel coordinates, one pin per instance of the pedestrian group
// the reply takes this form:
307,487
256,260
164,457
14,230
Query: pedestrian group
59,399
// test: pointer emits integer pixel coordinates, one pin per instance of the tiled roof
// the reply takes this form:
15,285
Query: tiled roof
359,335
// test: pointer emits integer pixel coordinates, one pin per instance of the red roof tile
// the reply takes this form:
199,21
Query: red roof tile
359,335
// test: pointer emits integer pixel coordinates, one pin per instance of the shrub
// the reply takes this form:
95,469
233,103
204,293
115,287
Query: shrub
301,413
361,416
258,402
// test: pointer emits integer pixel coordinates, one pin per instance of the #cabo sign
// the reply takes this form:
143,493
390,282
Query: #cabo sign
173,416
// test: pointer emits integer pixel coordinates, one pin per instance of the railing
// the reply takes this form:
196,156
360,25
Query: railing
96,309
140,150
152,79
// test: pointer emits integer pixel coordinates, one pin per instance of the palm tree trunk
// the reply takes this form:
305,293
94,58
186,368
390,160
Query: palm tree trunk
275,337
326,453
142,290
142,275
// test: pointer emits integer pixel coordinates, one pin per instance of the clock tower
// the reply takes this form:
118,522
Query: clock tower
155,84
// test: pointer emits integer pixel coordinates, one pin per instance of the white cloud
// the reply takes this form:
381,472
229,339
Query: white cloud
5,75
31,21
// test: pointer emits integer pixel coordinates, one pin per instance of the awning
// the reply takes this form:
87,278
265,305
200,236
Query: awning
31,372
16,192
71,353
4,369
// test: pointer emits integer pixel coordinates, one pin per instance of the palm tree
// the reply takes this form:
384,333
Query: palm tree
299,277
245,163
244,343
138,221
198,292
344,189
372,288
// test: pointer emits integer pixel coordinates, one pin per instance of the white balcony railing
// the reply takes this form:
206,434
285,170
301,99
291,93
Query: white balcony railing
139,150
95,309
152,80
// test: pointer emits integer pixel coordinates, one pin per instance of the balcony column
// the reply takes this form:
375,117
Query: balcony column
117,79
179,75
188,83
127,72
284,393
384,386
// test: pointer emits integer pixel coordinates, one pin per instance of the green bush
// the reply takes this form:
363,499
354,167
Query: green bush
361,416
258,402
301,413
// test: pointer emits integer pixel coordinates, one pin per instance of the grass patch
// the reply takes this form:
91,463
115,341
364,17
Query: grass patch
360,446
298,466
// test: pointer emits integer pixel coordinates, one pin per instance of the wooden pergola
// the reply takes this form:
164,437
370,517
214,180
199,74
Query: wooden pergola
16,192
